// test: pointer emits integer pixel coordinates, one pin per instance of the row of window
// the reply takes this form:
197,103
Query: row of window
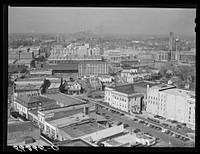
119,105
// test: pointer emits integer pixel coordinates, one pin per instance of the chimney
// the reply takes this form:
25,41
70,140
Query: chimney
86,110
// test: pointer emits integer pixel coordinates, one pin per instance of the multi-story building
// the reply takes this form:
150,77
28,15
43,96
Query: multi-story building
124,98
24,103
162,56
92,68
172,103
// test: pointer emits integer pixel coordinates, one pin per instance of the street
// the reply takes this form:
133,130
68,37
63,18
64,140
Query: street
175,142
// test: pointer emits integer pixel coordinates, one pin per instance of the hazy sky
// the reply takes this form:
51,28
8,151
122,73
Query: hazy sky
101,20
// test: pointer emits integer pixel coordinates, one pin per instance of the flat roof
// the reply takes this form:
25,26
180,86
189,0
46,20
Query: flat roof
72,119
34,111
126,138
127,89
144,84
179,92
113,142
64,99
77,143
81,130
162,87
47,103
65,113
67,66
21,126
93,62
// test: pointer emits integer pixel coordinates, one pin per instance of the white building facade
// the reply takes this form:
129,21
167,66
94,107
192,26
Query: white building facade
129,103
172,103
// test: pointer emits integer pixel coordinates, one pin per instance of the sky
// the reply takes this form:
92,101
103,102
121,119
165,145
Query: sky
158,21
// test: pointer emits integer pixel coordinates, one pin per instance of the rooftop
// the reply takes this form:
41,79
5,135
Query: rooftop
144,84
93,62
34,111
30,79
64,113
81,130
23,126
26,87
162,87
64,99
23,61
27,99
127,89
47,103
179,92
73,66
77,143
72,119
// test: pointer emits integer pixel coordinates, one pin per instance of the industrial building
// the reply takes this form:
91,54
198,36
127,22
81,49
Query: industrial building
172,103
92,68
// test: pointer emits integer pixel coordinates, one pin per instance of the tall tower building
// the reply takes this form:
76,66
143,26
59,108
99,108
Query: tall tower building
172,46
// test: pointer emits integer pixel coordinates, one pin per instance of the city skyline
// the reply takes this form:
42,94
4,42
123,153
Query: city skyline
158,21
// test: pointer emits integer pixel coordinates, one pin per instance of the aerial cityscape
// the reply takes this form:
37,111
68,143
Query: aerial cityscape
101,77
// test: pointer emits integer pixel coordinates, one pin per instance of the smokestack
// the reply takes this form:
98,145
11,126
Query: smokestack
86,110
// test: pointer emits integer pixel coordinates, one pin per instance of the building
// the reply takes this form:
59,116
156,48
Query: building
29,90
73,87
124,98
58,123
172,103
62,68
24,103
146,58
92,68
30,63
19,131
94,51
54,85
186,56
172,47
28,86
141,87
40,72
162,56
126,140
26,55
95,84
97,137
16,68
64,100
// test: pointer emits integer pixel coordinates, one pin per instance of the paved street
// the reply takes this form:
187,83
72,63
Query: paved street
175,142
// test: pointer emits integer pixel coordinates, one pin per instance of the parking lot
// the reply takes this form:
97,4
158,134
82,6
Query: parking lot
145,127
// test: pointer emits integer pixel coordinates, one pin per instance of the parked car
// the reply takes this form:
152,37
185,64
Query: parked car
126,125
186,139
135,119
119,123
137,130
122,114
148,134
156,116
141,122
158,128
